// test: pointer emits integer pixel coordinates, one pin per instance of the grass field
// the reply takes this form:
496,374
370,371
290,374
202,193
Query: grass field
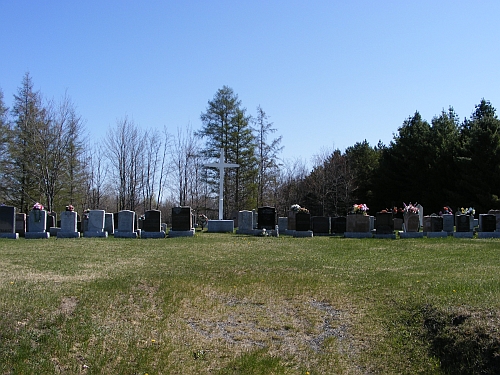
231,304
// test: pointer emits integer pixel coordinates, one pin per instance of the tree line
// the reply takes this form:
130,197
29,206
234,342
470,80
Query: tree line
46,156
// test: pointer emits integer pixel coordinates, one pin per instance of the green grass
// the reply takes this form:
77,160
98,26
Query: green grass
230,304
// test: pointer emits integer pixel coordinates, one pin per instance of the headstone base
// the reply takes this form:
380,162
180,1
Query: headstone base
252,232
53,231
488,234
463,234
358,235
12,236
118,234
436,234
303,233
88,234
411,234
220,226
36,235
152,234
386,236
181,233
68,234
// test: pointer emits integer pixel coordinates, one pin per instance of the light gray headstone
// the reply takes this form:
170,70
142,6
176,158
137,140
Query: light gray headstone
96,220
69,220
421,214
125,228
37,225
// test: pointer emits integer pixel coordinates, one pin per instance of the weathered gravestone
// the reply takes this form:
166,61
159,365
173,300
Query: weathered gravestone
96,224
320,225
411,222
37,225
151,225
69,228
182,222
266,218
125,224
8,222
21,224
245,221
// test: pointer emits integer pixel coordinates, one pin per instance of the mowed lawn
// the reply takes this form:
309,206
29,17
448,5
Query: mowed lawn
234,304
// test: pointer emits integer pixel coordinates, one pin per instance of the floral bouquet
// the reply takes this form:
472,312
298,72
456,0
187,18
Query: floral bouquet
38,206
468,211
70,208
410,208
360,209
297,209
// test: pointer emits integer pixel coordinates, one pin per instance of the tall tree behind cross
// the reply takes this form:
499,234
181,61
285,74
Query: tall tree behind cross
220,166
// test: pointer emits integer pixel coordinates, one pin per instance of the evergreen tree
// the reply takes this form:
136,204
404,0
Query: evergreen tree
226,127
480,175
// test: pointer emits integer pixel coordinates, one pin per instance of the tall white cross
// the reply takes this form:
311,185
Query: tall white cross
220,166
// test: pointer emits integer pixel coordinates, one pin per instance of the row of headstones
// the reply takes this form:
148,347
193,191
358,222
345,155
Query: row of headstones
96,223
384,224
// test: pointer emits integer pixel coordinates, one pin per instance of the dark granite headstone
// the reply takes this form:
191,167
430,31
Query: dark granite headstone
182,219
266,218
320,224
436,224
339,224
488,223
462,223
51,220
384,223
21,224
7,219
302,221
152,221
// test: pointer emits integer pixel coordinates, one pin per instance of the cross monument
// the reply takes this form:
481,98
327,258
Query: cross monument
220,166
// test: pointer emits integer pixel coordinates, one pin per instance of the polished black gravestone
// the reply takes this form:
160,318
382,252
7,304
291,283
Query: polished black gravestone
320,225
302,222
152,221
462,223
8,222
488,223
384,223
339,224
266,218
182,219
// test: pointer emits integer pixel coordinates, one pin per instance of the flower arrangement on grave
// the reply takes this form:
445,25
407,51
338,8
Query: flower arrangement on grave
468,211
299,210
360,209
410,208
70,208
446,211
38,206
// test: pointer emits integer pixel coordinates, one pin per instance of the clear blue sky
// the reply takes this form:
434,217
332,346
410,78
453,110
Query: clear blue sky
328,73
